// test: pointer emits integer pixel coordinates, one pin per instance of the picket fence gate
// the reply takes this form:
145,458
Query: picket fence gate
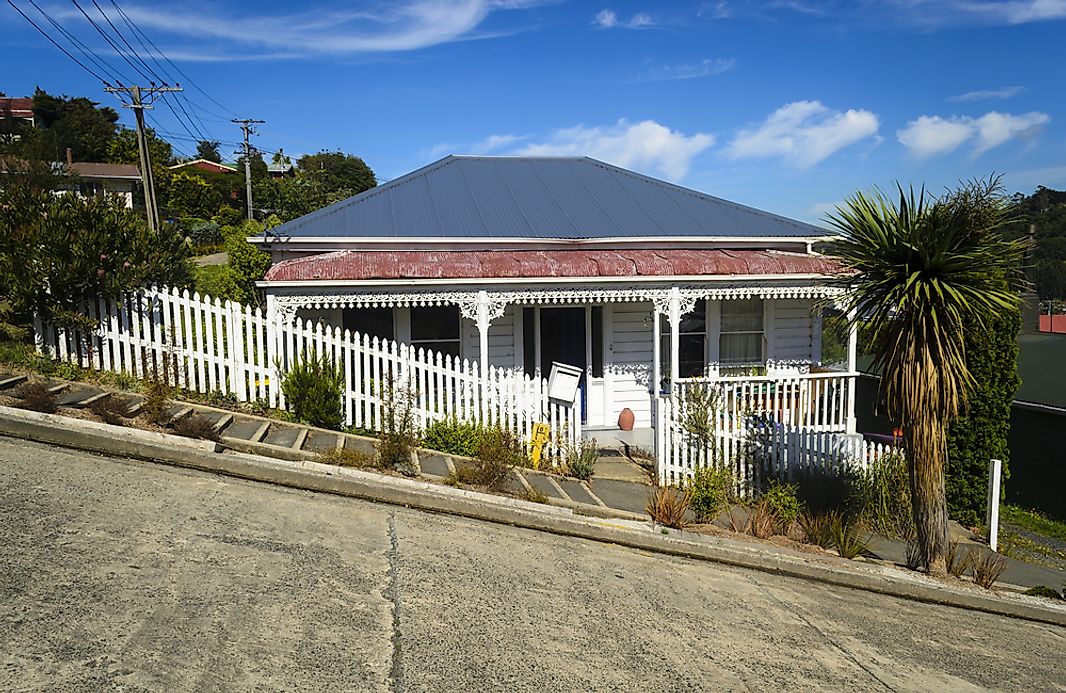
207,345
750,430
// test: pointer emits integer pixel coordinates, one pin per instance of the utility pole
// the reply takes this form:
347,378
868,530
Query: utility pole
137,103
246,127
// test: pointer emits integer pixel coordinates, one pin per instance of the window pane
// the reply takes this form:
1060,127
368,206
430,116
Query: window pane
376,322
434,322
696,321
690,362
529,345
742,316
741,348
597,342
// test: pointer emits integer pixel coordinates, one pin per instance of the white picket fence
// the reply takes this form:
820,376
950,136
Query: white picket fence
762,428
214,346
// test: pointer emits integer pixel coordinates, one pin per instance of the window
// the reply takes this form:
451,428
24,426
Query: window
436,328
376,322
529,342
691,347
597,341
741,335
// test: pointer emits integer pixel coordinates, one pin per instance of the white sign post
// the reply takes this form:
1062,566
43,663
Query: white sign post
995,468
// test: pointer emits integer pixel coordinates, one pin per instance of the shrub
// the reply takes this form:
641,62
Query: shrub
499,452
399,437
668,507
112,409
158,391
454,437
881,497
35,396
581,459
915,557
818,528
535,495
347,457
822,490
710,490
1043,591
195,426
987,569
782,503
762,522
849,538
312,388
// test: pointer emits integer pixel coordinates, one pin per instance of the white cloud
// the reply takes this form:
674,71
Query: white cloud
646,145
704,68
640,19
1020,11
402,26
804,132
490,145
989,94
928,136
606,19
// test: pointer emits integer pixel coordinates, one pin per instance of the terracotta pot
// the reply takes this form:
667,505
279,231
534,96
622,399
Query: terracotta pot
626,419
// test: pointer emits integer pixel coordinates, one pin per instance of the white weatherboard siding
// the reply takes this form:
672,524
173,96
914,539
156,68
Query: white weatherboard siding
628,363
502,338
791,331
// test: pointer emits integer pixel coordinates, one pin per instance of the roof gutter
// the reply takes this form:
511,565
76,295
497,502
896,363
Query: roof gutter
511,281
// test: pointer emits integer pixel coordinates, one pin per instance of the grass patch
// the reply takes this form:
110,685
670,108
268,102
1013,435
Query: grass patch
1032,521
112,410
196,426
345,457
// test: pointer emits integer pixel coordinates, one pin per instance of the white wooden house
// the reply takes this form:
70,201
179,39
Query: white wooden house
519,262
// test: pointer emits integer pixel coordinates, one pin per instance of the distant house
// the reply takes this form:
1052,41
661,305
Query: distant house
15,114
204,165
97,180
283,170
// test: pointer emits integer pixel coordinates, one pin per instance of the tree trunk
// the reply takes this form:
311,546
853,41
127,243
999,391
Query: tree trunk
927,454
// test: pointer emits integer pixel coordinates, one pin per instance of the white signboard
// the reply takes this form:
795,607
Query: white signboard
563,382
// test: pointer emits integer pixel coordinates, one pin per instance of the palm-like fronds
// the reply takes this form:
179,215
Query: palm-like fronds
919,273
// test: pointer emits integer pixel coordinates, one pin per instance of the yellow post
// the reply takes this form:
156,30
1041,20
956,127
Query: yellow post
541,434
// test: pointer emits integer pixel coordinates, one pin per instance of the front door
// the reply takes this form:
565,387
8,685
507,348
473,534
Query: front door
562,339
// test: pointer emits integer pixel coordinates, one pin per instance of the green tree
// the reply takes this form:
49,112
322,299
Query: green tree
337,172
191,196
122,148
208,149
76,123
62,251
921,274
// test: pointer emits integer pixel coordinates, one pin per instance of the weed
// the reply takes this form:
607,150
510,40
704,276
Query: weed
157,395
987,569
915,557
1043,591
639,453
710,489
312,387
535,495
499,452
818,528
668,507
195,426
1034,522
958,560
35,396
664,530
882,497
67,371
739,525
346,457
849,538
581,459
112,409
399,438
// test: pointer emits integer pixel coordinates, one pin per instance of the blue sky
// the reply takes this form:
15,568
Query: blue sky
789,106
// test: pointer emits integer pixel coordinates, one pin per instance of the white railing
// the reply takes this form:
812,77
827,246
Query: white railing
214,346
761,427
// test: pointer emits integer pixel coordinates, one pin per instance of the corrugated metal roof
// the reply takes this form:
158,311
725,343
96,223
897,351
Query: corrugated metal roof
537,197
347,265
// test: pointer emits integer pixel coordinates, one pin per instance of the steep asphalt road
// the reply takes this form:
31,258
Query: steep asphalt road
125,575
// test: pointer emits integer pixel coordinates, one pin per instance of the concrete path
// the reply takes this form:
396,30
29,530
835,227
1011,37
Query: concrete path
134,576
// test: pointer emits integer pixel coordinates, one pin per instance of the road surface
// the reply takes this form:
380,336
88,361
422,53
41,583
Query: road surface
126,575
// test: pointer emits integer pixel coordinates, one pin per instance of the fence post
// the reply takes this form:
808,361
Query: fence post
995,468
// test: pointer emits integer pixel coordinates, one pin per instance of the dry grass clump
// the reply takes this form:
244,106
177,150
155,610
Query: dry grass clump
195,426
668,507
987,569
112,409
36,397
959,560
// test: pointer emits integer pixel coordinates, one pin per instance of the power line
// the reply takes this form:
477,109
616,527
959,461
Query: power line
112,43
56,44
188,80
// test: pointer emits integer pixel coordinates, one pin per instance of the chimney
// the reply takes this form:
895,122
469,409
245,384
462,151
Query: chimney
70,157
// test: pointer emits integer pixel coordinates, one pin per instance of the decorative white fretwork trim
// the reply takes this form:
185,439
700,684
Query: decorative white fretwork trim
286,305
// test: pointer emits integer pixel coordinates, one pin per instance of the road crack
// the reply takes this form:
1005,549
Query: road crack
392,593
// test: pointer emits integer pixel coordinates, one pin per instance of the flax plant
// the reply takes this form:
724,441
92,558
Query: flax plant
919,273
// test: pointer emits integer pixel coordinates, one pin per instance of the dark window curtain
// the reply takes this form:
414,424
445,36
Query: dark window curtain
376,322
